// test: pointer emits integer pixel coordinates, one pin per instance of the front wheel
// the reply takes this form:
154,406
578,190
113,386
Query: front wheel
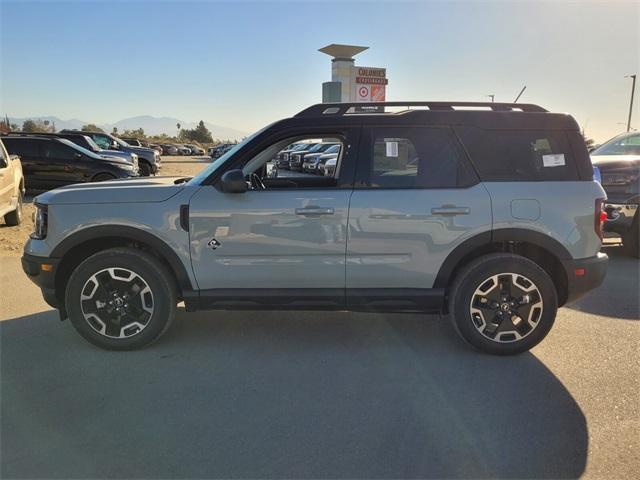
503,304
13,219
121,299
144,169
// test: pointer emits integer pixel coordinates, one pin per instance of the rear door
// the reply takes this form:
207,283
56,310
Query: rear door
34,168
416,199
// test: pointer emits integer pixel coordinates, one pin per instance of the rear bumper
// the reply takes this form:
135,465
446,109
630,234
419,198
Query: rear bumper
44,279
584,275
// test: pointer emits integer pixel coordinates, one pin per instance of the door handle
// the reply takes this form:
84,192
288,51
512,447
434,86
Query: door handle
314,211
451,211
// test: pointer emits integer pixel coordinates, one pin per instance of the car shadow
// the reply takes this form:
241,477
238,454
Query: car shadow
618,296
281,394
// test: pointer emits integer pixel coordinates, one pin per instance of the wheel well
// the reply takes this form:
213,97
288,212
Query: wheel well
77,254
103,174
547,260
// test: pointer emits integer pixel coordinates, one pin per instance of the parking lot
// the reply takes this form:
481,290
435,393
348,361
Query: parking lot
331,395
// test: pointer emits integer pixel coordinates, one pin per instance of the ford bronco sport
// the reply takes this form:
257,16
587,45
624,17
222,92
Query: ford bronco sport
487,212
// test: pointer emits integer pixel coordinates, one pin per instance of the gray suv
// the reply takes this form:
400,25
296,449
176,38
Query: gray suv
486,212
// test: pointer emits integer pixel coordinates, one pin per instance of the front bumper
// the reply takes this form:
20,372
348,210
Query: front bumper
42,271
585,274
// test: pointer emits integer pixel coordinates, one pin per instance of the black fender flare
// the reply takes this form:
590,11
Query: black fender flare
124,232
484,239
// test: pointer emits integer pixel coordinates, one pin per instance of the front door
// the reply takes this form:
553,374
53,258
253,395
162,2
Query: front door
284,244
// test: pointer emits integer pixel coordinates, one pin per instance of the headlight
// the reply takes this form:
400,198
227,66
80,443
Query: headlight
40,220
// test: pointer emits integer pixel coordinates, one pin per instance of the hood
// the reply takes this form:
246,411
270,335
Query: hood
130,190
142,150
116,153
115,159
325,156
615,161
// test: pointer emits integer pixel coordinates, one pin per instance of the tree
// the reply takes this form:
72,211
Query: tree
30,126
137,133
92,127
114,131
199,134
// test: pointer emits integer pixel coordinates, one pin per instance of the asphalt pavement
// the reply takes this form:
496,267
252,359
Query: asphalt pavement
321,395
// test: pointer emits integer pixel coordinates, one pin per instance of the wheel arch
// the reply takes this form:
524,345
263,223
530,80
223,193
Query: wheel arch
84,243
542,249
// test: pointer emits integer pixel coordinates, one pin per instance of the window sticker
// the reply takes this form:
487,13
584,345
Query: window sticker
392,149
555,160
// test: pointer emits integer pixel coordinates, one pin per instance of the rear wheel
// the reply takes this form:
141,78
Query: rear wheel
121,299
13,219
503,304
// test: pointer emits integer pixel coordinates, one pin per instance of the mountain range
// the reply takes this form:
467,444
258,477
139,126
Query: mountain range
150,125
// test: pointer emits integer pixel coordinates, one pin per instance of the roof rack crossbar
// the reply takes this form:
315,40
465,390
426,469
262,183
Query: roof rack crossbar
321,109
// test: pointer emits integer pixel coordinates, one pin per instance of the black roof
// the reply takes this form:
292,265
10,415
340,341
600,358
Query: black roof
479,114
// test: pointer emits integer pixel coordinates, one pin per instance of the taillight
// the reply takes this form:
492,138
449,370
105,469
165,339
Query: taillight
599,217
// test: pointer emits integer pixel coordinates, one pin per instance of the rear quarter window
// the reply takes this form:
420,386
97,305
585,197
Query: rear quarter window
520,155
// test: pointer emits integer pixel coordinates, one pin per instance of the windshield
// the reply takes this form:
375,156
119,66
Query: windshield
94,146
121,142
198,179
75,146
333,149
623,145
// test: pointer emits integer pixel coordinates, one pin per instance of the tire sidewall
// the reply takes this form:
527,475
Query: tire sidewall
147,268
478,272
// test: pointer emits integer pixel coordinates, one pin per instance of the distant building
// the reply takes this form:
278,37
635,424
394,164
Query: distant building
351,83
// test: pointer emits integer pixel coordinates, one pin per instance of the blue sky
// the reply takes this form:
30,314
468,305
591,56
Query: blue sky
244,64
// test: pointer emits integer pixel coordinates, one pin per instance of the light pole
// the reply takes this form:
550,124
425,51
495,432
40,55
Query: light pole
633,89
492,97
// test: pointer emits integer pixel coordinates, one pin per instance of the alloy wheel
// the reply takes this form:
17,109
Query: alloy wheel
506,307
117,302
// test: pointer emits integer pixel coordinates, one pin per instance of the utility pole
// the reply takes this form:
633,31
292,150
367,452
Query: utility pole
633,89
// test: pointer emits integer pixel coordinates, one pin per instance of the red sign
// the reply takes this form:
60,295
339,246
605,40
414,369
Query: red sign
372,81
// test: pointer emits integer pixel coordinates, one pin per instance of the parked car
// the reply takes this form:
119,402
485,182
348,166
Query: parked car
11,187
168,149
86,142
295,157
50,162
312,161
155,147
183,149
282,157
619,163
219,150
195,150
134,142
328,168
446,208
148,159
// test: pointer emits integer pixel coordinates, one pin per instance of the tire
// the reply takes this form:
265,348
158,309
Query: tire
144,168
502,329
13,219
631,239
103,177
148,311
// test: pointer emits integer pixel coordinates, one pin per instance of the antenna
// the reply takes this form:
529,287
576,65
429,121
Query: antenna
520,94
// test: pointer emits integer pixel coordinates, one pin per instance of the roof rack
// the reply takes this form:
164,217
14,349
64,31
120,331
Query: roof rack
321,109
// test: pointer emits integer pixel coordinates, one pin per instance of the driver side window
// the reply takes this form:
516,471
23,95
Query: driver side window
305,161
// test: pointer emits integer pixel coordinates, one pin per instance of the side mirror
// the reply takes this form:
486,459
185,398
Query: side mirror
233,182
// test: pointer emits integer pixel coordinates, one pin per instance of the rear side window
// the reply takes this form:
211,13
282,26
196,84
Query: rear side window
58,151
416,157
520,155
22,146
